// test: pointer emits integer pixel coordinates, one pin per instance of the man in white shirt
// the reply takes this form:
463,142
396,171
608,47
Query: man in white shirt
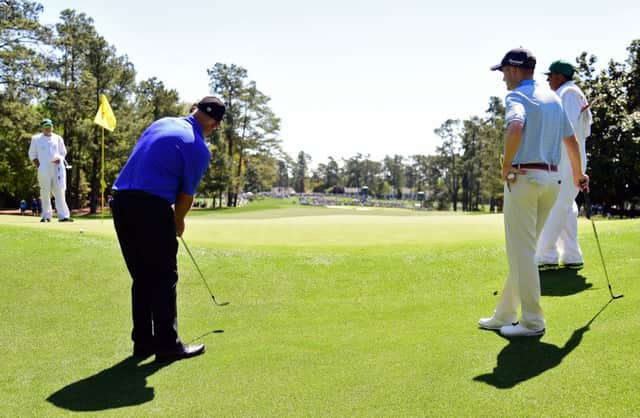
558,244
47,153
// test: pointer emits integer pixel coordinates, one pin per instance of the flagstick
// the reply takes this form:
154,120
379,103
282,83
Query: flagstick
106,120
102,181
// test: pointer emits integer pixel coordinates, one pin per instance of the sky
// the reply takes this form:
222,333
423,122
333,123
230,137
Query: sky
345,77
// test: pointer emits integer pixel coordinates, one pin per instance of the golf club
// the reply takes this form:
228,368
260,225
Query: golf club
201,275
587,206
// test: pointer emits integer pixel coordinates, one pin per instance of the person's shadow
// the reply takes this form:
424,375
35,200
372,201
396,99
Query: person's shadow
563,282
123,384
525,358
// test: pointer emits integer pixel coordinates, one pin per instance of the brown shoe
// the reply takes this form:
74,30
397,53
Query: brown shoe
180,352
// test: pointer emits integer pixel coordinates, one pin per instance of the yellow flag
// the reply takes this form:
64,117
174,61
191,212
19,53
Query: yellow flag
105,116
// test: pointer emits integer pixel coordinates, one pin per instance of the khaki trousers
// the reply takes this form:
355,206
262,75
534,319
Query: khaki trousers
527,204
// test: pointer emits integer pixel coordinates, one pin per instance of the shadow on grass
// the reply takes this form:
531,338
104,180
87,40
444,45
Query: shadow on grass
563,282
525,358
124,384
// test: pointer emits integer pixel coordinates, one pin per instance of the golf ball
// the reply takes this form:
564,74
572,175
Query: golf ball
82,231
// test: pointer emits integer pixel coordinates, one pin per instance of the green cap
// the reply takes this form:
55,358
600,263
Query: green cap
46,123
561,67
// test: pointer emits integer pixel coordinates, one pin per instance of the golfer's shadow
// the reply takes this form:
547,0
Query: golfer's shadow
563,282
525,358
124,384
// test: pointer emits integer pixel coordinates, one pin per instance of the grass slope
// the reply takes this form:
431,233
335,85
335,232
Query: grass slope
334,312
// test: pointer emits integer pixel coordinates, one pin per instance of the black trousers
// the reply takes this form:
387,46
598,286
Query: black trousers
146,230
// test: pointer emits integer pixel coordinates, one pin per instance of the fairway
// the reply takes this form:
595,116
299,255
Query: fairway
334,312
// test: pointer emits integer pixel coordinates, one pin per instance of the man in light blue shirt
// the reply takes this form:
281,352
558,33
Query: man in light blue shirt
536,127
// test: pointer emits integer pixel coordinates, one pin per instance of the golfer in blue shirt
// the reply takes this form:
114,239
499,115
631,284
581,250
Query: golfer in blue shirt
152,195
536,128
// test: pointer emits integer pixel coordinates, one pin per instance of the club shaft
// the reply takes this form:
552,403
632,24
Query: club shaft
197,267
604,267
587,204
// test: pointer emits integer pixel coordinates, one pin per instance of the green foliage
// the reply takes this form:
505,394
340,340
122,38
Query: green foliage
261,173
613,149
250,127
21,63
18,179
449,153
300,172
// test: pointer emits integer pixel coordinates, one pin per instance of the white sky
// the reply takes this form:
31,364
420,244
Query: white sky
375,77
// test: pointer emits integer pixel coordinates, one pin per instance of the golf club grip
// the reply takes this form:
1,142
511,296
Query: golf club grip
587,204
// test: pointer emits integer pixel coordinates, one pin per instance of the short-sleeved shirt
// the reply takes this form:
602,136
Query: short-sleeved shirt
170,157
545,123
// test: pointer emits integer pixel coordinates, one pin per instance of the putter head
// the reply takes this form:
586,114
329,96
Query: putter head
612,295
219,304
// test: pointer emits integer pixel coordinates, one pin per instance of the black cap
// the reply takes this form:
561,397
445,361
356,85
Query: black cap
212,106
517,57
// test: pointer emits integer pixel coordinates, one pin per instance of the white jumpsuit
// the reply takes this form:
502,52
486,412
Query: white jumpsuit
52,177
558,243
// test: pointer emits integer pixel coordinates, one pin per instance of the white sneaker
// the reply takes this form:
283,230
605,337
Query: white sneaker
520,331
492,323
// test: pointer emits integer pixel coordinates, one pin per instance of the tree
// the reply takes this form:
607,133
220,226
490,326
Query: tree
472,145
282,176
449,132
21,34
613,148
300,172
249,126
394,173
490,169
22,68
261,173
153,101
216,178
332,174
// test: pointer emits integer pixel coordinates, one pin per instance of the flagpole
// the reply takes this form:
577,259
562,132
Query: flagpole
107,120
102,181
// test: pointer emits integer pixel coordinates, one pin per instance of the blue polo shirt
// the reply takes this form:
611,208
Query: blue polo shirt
545,122
170,157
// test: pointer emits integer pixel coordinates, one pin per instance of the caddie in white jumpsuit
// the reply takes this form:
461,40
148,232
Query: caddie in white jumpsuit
47,152
558,244
536,129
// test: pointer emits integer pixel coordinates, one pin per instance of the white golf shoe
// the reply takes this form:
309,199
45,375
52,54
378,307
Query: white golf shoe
520,331
493,323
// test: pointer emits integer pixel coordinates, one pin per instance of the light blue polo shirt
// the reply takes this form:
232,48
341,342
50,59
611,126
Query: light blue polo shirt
170,157
545,122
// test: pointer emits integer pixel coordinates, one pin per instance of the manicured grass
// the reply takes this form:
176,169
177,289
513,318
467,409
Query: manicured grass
334,312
